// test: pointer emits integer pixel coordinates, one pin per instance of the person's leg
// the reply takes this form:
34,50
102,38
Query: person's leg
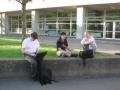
33,65
33,68
94,49
58,53
71,52
67,53
61,53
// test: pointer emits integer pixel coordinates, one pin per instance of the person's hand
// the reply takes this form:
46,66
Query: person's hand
23,50
64,46
59,49
86,43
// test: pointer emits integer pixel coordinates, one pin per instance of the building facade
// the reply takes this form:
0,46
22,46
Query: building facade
51,17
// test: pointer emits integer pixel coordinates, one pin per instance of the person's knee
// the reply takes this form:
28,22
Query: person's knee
58,53
34,62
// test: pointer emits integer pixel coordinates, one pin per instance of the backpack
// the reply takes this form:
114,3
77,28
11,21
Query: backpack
45,76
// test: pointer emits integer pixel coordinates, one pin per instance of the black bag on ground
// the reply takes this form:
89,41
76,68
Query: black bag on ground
86,54
45,76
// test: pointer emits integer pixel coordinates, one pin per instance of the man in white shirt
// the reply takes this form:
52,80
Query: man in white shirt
89,40
30,48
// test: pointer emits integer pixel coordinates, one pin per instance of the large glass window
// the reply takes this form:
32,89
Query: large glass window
1,24
28,24
117,30
94,23
74,28
113,15
95,13
96,28
15,24
109,29
53,23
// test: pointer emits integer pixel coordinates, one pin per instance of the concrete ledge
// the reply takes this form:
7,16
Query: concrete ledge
64,68
12,68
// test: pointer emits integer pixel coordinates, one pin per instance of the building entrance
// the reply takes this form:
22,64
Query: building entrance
112,29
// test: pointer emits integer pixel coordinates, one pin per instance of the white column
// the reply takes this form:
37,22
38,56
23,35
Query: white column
57,25
80,22
0,23
104,25
4,24
35,21
71,25
113,33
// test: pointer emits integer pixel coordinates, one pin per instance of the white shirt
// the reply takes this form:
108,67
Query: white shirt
91,39
30,46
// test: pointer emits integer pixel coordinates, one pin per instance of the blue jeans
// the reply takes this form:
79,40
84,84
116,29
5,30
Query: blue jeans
33,65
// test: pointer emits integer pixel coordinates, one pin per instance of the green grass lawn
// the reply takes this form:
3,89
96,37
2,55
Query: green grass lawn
10,48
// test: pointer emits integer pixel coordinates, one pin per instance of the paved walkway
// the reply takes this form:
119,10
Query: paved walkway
80,84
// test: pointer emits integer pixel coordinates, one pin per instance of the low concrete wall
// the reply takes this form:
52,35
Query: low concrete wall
12,68
63,68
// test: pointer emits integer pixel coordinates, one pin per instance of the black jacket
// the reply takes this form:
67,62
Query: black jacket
62,44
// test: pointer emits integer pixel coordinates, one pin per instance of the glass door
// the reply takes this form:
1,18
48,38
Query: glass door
109,29
117,30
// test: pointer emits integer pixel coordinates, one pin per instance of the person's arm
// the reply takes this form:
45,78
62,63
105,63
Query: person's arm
91,40
23,47
38,45
23,50
65,45
83,41
58,45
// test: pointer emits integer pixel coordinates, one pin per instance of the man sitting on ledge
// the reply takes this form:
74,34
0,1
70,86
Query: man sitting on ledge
30,48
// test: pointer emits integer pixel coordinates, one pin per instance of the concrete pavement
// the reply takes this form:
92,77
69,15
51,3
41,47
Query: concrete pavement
79,84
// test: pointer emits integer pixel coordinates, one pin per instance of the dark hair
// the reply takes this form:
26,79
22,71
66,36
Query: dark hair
34,35
63,33
60,39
